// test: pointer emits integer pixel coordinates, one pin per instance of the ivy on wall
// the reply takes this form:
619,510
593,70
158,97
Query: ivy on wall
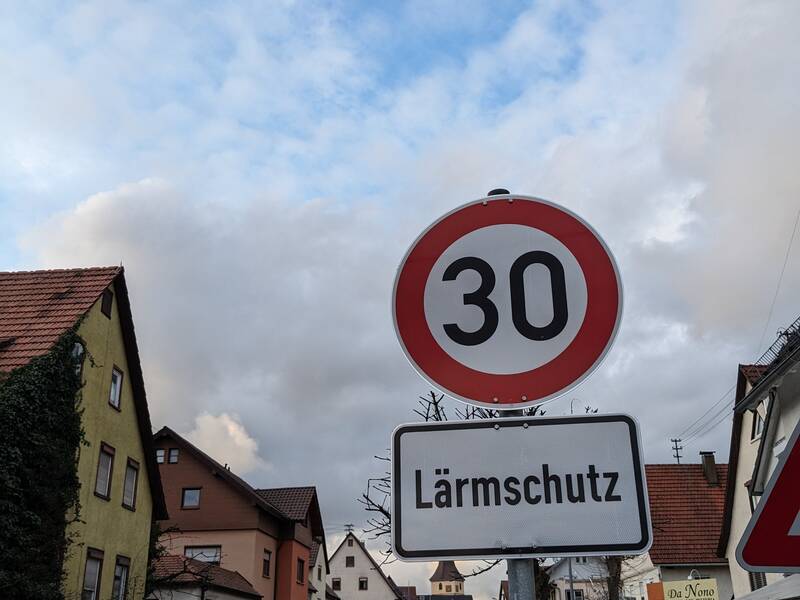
40,435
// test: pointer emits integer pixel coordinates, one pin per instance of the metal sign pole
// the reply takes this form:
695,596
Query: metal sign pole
521,571
571,589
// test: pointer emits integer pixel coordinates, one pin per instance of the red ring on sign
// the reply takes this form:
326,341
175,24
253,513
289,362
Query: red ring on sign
568,368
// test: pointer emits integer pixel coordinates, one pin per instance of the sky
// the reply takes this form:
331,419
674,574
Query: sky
261,168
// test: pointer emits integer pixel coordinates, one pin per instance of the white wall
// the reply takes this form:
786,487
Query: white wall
193,593
378,588
319,582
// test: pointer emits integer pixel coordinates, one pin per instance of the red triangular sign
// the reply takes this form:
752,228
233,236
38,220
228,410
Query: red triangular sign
771,541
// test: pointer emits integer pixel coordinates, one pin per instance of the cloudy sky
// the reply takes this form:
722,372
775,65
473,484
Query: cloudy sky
260,169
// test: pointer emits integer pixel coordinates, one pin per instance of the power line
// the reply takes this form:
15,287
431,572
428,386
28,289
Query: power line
780,281
686,430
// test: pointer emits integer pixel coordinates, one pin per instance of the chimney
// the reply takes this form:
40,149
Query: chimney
709,467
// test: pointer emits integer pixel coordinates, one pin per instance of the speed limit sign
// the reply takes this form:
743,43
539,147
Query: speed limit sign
507,301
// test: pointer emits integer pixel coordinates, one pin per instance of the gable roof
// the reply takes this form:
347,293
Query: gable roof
387,580
38,307
446,570
222,471
687,513
294,502
744,374
172,570
408,592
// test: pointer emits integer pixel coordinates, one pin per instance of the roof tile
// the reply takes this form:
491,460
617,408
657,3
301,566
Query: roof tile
294,502
687,513
37,307
173,569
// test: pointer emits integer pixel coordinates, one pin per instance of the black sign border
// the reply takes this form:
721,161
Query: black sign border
522,551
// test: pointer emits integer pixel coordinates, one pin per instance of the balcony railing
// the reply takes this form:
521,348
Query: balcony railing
787,341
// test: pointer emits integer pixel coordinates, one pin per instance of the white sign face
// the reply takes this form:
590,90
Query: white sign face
552,486
507,301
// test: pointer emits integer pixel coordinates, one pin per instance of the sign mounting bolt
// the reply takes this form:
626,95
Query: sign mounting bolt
496,426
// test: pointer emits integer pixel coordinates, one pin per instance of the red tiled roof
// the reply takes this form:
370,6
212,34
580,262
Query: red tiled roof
687,513
753,372
37,307
294,502
173,570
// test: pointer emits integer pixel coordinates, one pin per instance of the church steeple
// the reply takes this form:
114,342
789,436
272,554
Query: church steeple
446,579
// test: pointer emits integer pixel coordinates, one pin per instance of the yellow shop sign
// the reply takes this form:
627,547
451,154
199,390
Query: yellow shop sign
691,589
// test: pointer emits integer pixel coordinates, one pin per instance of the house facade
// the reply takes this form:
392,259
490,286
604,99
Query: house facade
686,508
182,578
120,491
766,411
266,535
588,579
356,576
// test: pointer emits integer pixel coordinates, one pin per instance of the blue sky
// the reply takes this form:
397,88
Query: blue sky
260,169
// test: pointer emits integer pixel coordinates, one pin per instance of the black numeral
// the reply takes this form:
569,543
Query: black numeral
558,289
480,298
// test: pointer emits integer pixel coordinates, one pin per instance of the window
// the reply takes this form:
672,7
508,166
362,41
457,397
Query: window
301,570
207,554
336,584
319,573
349,561
91,575
757,580
160,455
578,595
106,301
266,562
440,586
129,489
758,425
120,588
78,353
190,498
350,542
116,388
105,466
362,584
173,455
448,588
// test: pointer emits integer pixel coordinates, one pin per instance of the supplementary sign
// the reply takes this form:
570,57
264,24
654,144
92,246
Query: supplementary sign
771,541
691,589
545,486
509,300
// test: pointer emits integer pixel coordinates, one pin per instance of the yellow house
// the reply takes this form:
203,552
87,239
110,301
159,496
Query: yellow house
120,490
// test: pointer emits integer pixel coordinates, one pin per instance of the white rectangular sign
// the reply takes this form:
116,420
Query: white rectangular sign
518,487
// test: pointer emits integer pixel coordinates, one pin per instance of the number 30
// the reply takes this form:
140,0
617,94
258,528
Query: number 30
480,298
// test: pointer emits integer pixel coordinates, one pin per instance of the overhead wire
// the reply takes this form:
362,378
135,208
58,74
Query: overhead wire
701,426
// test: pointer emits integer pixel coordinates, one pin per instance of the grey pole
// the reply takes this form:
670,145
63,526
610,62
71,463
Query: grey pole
521,584
521,571
521,579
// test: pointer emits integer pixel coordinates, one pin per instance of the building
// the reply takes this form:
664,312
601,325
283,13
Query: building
182,578
447,583
589,575
356,576
266,535
318,568
120,491
408,592
765,413
687,504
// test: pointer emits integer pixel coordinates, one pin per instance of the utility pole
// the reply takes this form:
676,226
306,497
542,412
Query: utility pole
677,449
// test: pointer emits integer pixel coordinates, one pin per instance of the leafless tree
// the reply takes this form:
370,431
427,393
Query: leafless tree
376,498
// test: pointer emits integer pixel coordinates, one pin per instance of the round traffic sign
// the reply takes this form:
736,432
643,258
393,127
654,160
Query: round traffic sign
507,301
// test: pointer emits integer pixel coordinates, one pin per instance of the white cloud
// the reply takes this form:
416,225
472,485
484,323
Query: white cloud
225,439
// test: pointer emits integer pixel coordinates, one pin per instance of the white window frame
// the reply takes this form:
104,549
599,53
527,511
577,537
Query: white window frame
115,391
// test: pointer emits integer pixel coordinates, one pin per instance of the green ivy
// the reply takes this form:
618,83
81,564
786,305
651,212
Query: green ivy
40,425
